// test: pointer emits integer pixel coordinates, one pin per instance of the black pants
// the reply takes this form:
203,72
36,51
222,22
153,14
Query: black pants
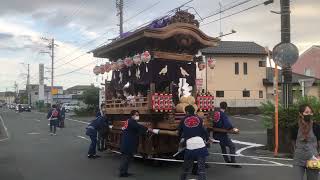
232,148
53,125
187,165
102,141
125,162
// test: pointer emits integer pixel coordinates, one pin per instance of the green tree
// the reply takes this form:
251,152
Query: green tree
91,97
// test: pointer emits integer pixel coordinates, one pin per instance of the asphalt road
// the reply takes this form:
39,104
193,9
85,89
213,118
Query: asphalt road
31,154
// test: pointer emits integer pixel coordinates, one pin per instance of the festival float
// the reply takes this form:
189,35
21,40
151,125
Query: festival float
154,72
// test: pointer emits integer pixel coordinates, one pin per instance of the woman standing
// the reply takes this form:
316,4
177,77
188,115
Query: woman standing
306,144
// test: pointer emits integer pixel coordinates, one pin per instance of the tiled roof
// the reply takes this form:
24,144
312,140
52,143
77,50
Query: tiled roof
236,47
295,76
79,87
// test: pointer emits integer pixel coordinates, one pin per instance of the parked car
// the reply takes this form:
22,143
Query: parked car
12,106
23,107
70,107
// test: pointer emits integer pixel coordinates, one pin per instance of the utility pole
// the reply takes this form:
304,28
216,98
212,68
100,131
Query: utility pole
285,38
52,68
220,5
15,92
28,86
119,6
51,47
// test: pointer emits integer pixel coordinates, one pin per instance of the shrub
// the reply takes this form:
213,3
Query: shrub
88,111
288,117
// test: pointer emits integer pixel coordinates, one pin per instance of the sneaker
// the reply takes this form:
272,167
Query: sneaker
126,175
51,134
54,134
90,156
234,165
96,156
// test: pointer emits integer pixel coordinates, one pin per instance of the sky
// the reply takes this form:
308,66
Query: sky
79,26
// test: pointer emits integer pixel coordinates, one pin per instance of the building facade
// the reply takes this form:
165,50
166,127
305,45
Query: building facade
237,78
309,63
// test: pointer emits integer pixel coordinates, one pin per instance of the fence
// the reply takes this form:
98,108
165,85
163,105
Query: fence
240,102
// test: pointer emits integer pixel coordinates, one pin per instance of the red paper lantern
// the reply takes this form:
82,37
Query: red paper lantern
102,69
145,56
107,67
120,64
201,65
128,61
96,70
113,66
211,63
137,59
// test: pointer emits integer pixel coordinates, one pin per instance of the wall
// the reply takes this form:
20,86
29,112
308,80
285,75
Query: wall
309,60
223,78
312,91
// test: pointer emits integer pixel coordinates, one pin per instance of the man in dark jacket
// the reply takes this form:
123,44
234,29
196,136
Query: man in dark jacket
195,137
53,116
130,141
103,132
62,111
221,128
91,131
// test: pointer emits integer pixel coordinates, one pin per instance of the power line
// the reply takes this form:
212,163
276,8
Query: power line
85,44
234,13
59,75
142,11
229,8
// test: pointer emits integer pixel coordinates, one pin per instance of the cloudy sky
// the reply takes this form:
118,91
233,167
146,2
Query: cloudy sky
80,25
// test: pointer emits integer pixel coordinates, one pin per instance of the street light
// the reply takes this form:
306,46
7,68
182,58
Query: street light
232,32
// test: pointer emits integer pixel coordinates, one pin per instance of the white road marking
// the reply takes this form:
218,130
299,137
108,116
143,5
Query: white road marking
83,138
5,128
247,143
37,120
33,133
77,121
260,157
214,162
264,160
248,119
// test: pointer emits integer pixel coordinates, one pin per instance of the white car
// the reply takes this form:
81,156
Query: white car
70,107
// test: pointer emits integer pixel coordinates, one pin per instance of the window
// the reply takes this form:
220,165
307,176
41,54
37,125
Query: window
219,93
245,68
308,72
245,93
262,63
36,93
260,94
236,68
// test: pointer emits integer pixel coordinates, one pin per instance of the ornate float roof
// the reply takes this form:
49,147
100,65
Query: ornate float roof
182,28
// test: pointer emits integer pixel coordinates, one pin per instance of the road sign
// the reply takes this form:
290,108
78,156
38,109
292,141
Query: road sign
54,91
285,54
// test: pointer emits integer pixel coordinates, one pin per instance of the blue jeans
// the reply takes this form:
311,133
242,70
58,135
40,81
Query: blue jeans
93,145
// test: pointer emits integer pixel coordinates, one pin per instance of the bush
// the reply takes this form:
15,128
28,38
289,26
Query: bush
88,111
288,117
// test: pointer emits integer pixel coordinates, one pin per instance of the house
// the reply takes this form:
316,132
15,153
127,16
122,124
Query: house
310,89
78,89
309,63
34,93
7,97
238,74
